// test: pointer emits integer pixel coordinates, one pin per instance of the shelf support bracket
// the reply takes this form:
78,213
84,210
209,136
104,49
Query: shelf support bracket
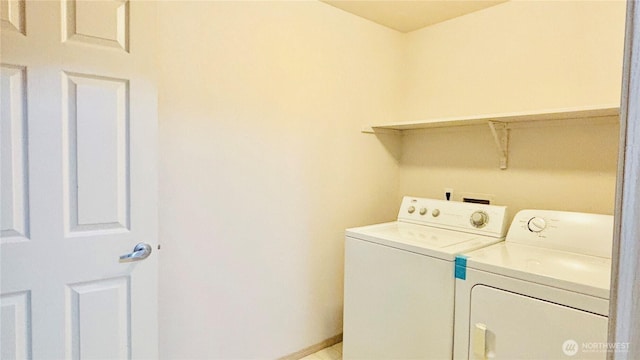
500,134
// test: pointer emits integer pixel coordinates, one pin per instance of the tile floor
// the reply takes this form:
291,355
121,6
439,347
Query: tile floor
331,353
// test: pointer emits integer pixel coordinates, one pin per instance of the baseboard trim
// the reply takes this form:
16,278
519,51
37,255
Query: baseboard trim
313,348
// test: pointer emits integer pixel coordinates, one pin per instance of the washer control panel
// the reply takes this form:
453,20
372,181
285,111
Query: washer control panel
475,218
582,233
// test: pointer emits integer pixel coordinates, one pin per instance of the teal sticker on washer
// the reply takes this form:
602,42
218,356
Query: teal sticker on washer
461,267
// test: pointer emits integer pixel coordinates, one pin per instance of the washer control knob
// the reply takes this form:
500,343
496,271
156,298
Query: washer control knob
479,219
435,213
536,224
411,209
423,211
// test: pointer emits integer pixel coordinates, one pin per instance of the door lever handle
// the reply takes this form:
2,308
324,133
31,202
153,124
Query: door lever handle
140,252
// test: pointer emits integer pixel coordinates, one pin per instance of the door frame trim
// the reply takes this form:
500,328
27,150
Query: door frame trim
624,307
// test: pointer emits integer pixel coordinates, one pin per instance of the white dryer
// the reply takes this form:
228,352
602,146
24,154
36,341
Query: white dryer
399,278
541,294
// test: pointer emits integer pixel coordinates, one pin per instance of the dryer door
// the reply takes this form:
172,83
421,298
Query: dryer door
506,325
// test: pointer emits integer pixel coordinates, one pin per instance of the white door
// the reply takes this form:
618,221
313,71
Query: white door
78,179
506,325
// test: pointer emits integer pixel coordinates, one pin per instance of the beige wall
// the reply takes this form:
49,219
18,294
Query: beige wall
263,167
517,56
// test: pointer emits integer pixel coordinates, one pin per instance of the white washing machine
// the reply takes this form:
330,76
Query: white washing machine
399,278
541,294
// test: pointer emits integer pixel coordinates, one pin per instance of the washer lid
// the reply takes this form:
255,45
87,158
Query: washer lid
574,272
435,242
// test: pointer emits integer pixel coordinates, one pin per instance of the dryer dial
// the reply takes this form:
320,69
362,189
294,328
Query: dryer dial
536,224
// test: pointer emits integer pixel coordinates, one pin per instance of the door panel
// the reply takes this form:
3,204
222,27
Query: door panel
12,15
14,182
16,314
506,325
97,165
98,319
79,127
102,23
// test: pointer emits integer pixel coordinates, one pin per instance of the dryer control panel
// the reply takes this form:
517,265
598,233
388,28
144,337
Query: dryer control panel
481,219
581,233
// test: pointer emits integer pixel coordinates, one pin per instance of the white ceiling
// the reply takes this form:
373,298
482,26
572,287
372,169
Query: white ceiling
406,16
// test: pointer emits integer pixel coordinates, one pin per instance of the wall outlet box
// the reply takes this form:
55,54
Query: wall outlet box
448,194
